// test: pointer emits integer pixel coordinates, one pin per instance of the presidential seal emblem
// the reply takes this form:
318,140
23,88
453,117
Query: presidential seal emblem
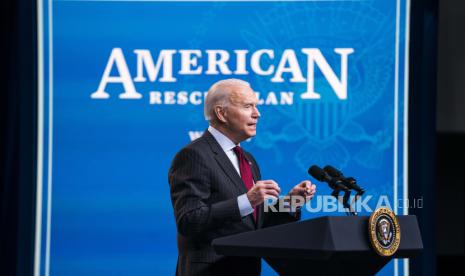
384,232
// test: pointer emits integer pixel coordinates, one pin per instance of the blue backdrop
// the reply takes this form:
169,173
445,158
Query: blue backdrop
103,195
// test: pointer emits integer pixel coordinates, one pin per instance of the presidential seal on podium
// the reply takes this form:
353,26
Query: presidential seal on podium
384,232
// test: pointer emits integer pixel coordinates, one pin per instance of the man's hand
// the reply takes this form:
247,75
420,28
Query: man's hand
262,190
304,189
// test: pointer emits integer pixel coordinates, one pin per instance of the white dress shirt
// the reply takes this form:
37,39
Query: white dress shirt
245,208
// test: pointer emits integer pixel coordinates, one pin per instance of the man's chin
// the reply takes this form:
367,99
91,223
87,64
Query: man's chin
248,134
251,134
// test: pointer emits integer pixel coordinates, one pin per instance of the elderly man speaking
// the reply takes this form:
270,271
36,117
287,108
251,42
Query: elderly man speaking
216,186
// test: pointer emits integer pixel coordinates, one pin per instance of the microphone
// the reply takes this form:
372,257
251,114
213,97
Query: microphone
349,182
323,176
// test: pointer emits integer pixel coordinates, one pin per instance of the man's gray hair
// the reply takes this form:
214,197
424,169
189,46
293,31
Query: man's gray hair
218,94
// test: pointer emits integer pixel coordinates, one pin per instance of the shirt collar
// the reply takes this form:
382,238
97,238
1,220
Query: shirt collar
225,143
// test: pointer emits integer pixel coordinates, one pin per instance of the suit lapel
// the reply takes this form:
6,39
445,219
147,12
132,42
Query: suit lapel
230,171
260,207
253,168
256,178
224,161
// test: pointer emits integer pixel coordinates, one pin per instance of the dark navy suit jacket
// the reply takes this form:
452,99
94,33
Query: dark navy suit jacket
204,187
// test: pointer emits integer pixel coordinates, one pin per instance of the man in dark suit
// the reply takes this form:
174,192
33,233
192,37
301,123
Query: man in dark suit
216,186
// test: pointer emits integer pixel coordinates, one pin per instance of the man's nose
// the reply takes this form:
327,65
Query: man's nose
256,113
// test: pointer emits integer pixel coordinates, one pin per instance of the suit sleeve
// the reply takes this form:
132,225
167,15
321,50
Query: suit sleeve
190,187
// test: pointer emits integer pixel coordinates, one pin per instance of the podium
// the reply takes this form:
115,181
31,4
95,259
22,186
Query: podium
320,246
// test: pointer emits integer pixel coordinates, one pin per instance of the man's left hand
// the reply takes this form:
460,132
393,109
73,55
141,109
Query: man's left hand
304,189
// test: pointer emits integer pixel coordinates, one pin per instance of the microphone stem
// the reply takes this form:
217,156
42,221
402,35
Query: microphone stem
343,201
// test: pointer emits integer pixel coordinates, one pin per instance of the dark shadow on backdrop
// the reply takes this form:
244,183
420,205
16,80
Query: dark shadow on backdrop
450,180
18,111
422,127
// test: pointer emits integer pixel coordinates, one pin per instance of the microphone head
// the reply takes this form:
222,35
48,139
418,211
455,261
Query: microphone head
333,172
317,173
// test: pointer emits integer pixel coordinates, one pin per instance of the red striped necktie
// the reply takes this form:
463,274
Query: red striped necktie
246,172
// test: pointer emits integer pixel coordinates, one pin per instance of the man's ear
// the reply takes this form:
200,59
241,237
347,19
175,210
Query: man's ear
221,113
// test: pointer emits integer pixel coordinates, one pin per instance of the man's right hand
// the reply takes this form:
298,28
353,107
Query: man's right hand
262,190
